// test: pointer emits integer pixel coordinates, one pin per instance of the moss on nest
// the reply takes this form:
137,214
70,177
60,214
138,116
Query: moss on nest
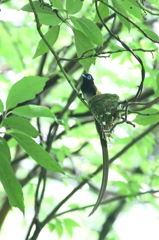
104,108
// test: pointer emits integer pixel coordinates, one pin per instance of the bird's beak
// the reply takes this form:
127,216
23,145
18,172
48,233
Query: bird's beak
83,75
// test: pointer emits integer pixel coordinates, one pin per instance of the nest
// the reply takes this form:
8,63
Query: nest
104,109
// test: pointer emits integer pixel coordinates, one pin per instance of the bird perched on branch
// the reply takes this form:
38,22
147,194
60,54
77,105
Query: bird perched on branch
89,90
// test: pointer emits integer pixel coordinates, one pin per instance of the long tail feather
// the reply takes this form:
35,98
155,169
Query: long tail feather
105,167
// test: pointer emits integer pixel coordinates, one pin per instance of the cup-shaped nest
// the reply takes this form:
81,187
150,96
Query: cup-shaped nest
104,109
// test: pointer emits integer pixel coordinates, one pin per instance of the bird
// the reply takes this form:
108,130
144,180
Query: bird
89,90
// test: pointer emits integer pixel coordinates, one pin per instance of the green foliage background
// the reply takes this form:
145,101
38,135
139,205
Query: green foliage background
50,155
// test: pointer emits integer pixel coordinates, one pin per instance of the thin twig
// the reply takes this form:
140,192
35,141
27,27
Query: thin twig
107,201
100,55
143,103
128,48
143,114
146,9
129,20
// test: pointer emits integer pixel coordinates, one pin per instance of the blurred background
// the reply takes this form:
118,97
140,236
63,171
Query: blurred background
130,207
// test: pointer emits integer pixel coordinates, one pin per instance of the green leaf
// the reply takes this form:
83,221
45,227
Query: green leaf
89,28
73,6
49,20
37,152
30,111
57,4
133,2
157,88
70,224
51,37
24,90
8,179
83,44
4,149
104,11
20,124
58,227
147,120
46,15
133,8
1,106
122,10
60,121
39,8
51,227
151,34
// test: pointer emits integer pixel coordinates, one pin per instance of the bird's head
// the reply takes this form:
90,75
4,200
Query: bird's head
87,77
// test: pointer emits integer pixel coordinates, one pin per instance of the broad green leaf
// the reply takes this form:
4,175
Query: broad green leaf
39,8
49,20
133,2
83,44
24,90
37,152
76,24
133,8
104,11
89,28
8,179
1,106
51,37
73,6
151,34
46,15
70,224
157,88
30,111
20,124
147,120
51,227
59,227
60,121
122,10
57,4
4,149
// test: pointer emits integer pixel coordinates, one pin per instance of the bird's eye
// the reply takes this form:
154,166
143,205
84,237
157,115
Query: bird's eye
89,77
